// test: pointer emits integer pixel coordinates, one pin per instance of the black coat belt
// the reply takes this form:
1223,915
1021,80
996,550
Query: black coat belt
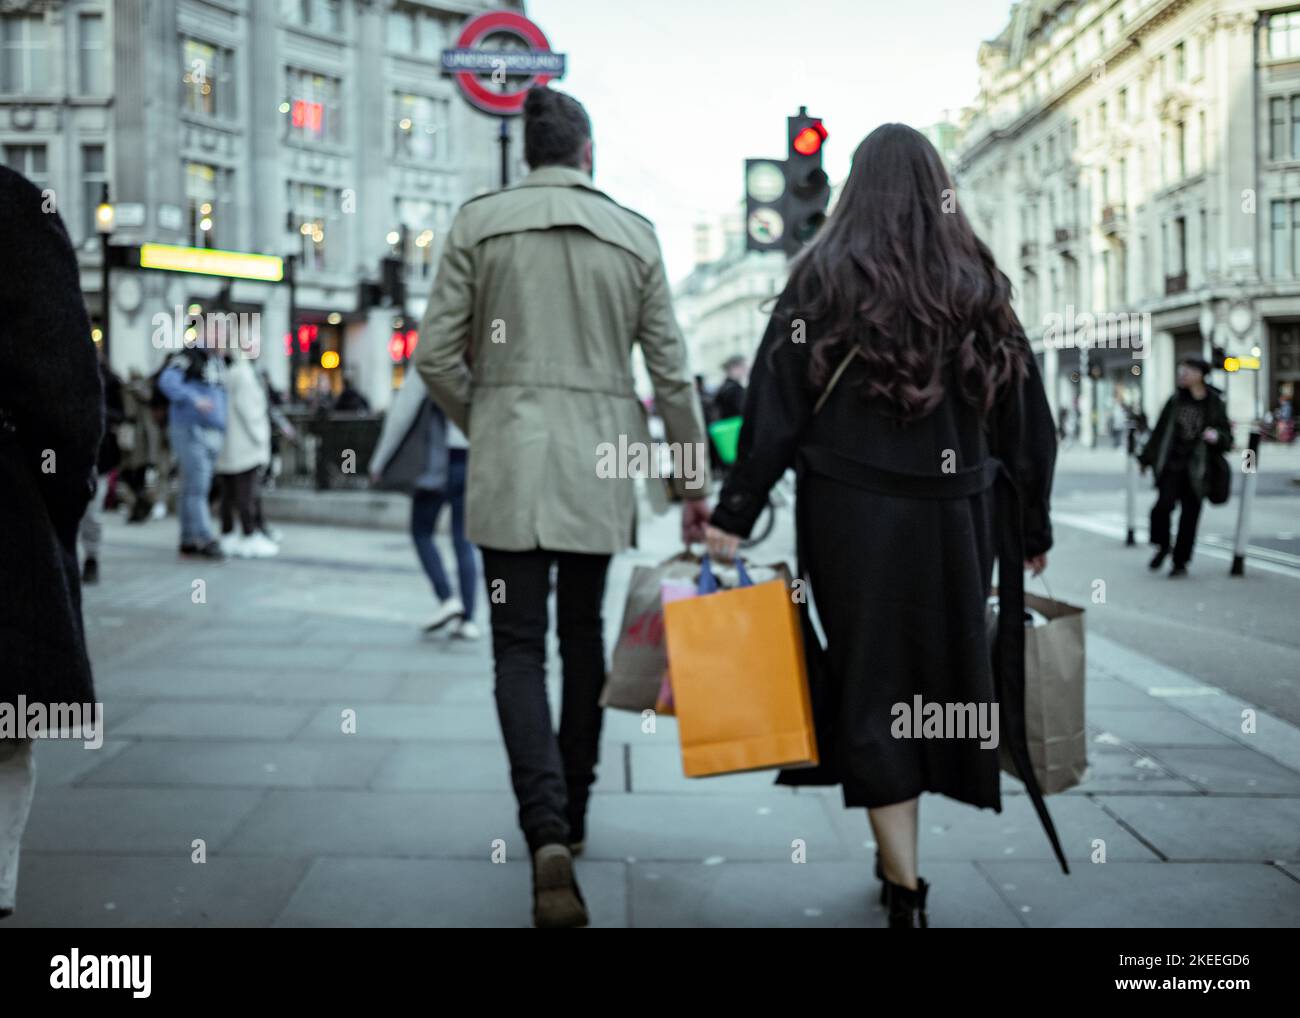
958,484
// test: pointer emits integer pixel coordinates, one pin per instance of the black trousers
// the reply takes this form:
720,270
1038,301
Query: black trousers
551,774
1175,488
239,494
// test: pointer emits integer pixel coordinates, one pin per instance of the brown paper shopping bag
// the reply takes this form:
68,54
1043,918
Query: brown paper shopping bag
740,684
640,655
1055,671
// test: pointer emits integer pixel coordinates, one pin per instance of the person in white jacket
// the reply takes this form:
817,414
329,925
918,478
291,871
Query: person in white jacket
244,455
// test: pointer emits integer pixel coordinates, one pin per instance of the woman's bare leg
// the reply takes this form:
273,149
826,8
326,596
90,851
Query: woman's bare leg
895,827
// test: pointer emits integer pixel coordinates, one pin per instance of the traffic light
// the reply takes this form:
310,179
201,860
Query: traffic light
393,281
786,199
808,189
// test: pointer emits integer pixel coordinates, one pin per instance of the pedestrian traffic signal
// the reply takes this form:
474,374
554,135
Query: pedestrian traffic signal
808,189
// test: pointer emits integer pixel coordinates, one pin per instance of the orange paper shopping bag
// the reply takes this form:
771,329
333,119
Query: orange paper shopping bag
740,683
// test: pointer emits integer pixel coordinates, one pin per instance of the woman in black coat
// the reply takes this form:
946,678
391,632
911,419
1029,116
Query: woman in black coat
51,420
895,377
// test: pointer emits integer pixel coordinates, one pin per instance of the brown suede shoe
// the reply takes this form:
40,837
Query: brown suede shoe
557,902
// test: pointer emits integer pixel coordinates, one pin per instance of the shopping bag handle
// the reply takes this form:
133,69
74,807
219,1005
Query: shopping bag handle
709,582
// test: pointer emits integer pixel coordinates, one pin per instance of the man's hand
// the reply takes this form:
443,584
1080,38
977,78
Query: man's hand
1036,564
722,546
1210,435
203,405
695,517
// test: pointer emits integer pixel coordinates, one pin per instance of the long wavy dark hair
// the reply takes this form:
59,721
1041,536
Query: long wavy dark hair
898,272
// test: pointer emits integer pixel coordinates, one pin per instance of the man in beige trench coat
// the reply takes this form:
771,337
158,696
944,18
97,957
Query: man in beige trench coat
542,292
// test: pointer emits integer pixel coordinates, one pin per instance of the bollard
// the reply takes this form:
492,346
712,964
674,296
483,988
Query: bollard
1243,513
1130,487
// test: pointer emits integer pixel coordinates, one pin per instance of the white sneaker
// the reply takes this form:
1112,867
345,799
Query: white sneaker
258,546
231,544
159,511
467,631
449,611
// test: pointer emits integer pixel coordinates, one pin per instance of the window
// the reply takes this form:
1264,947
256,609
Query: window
24,53
314,107
1105,186
93,179
401,30
1180,149
93,57
1279,136
1180,62
206,79
420,127
431,37
201,201
1286,238
424,222
1284,35
1295,127
1102,117
30,161
1122,103
322,15
1205,242
313,213
1177,256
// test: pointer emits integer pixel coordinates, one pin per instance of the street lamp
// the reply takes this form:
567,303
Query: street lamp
105,216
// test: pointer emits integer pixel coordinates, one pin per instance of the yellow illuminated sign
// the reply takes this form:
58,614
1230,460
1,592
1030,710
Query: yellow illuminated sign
1248,363
329,360
211,262
1231,364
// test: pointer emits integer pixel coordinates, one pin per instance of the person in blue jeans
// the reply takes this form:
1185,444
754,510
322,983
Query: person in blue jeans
424,454
193,381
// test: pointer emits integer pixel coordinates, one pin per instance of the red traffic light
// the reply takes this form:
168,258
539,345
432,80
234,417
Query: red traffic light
809,140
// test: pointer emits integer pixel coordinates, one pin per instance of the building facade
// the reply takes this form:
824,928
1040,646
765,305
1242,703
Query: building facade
1135,167
318,131
724,303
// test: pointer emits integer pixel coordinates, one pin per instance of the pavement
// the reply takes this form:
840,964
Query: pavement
231,789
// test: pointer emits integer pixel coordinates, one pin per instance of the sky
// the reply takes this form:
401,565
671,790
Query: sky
681,92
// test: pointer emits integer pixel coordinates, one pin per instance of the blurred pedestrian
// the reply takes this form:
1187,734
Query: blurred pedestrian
425,455
350,400
245,452
916,417
729,400
91,530
543,290
51,423
1192,426
193,382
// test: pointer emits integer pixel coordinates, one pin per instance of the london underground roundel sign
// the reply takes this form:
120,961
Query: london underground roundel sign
483,73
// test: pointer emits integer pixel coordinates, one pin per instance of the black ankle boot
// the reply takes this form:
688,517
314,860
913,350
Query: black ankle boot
1158,559
907,907
880,875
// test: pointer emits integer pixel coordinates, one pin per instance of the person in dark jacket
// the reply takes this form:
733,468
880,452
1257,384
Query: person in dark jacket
51,422
916,419
1192,427
729,401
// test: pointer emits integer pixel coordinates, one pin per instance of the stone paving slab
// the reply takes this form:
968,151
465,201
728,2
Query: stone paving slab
137,819
1156,726
440,893
1213,828
245,719
756,827
305,823
827,894
199,763
474,767
1232,771
951,830
1141,895
115,891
